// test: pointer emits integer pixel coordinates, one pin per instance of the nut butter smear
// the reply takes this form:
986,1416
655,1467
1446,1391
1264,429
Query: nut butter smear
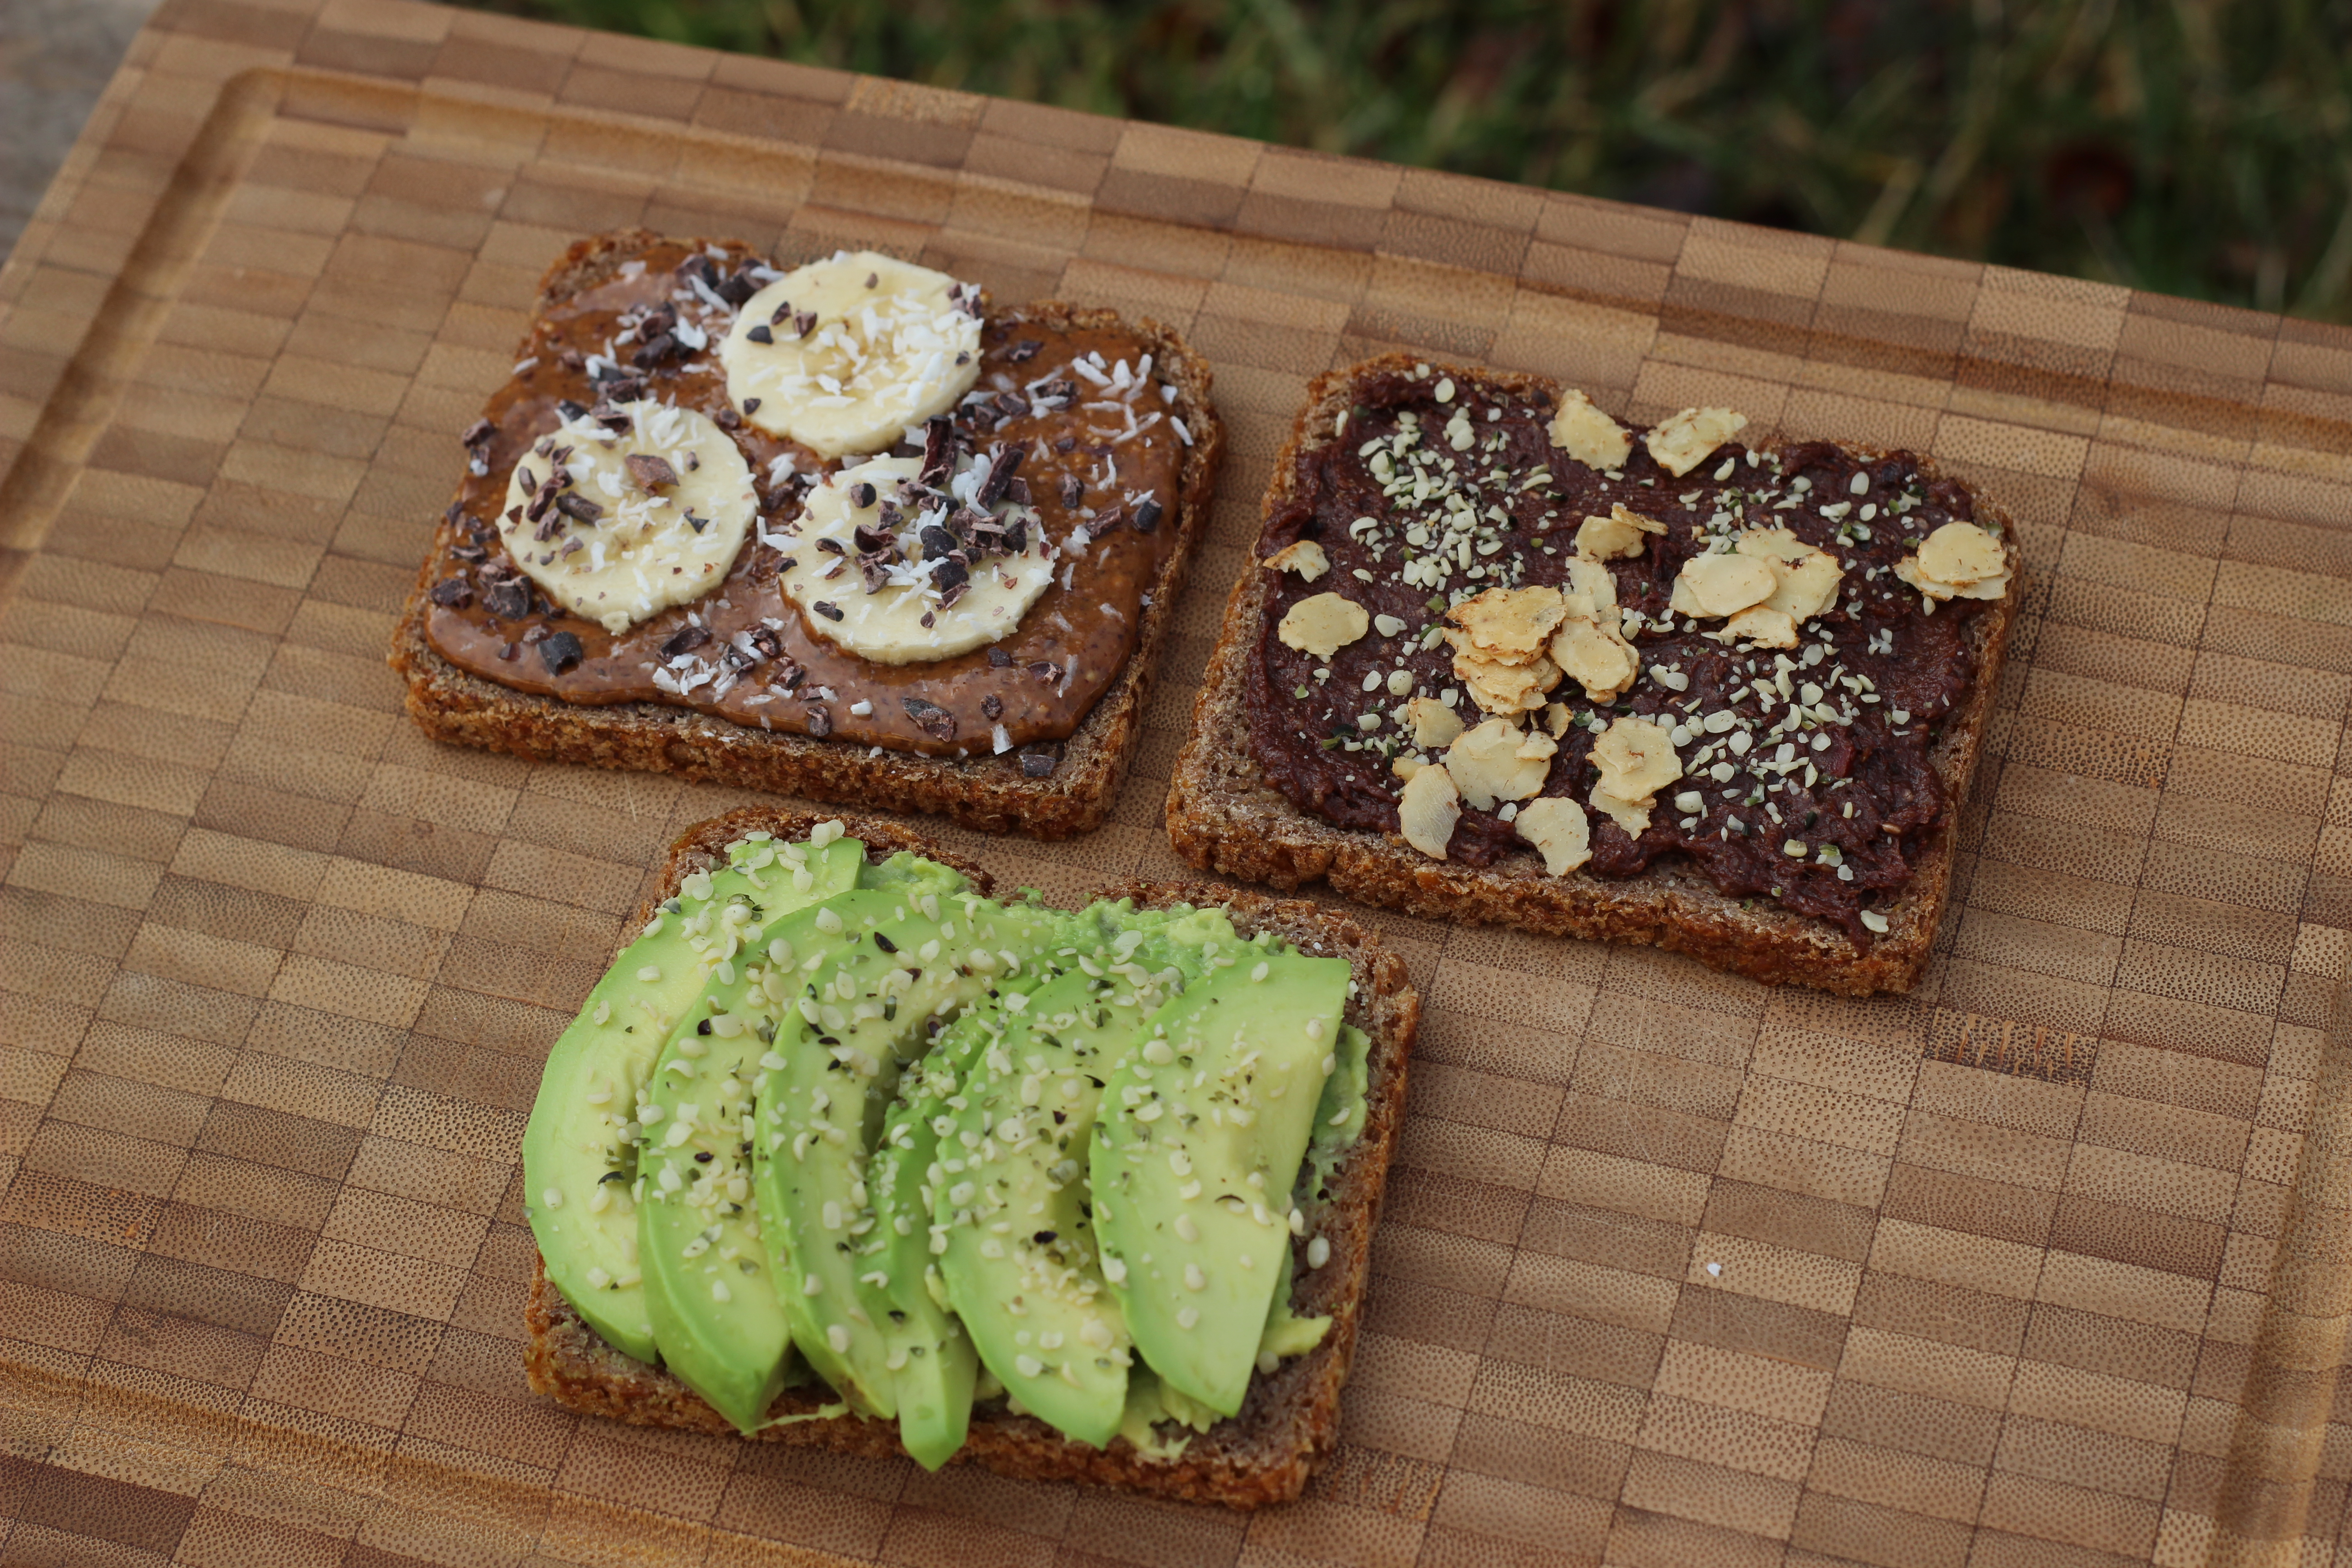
1100,453
1498,625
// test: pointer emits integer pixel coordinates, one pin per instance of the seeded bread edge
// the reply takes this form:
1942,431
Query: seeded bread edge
989,794
1289,1421
1224,818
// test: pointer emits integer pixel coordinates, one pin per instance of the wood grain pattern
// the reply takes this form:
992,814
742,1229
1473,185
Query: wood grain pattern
2041,1265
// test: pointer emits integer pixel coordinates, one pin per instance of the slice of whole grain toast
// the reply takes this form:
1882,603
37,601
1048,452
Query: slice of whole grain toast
989,793
1290,1419
1224,818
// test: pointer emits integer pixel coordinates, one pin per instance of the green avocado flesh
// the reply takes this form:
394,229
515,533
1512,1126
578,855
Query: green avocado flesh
877,1118
578,1152
1199,1140
929,1358
1009,1192
898,972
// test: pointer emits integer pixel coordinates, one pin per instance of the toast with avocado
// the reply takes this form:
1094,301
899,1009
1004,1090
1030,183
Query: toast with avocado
844,1150
847,530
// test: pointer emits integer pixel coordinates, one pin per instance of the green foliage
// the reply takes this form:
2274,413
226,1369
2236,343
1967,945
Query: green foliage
2197,147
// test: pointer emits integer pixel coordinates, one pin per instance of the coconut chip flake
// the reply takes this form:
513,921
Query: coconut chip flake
1303,556
1559,830
1684,440
1427,810
1586,434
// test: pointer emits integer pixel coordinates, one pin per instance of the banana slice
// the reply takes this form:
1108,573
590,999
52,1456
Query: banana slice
843,355
924,583
618,521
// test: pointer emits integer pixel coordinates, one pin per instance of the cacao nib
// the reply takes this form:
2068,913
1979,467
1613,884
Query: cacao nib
930,718
685,639
509,601
454,593
1003,463
820,719
651,472
559,653
938,451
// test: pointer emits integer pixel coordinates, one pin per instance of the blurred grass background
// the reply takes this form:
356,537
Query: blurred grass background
2196,147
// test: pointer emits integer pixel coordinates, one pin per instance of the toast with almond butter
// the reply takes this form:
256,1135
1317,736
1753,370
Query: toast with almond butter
944,588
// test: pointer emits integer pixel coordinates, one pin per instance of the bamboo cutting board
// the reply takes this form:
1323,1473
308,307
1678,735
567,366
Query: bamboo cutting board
2048,1264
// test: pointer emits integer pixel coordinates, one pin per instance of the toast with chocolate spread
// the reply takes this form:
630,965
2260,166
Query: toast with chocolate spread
1756,647
1063,494
1289,1420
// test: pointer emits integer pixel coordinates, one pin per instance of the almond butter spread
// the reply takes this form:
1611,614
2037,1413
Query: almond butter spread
1081,444
1804,753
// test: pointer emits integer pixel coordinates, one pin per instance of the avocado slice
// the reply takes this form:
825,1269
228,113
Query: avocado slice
1195,1151
709,1290
578,1152
1010,1205
1010,1199
930,1359
897,972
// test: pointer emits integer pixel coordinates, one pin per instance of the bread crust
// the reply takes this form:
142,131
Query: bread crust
989,793
1224,818
1289,1422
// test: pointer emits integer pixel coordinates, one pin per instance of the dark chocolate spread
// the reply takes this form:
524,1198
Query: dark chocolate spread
1102,453
1874,674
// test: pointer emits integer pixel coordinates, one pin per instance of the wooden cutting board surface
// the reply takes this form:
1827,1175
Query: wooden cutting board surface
2044,1265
